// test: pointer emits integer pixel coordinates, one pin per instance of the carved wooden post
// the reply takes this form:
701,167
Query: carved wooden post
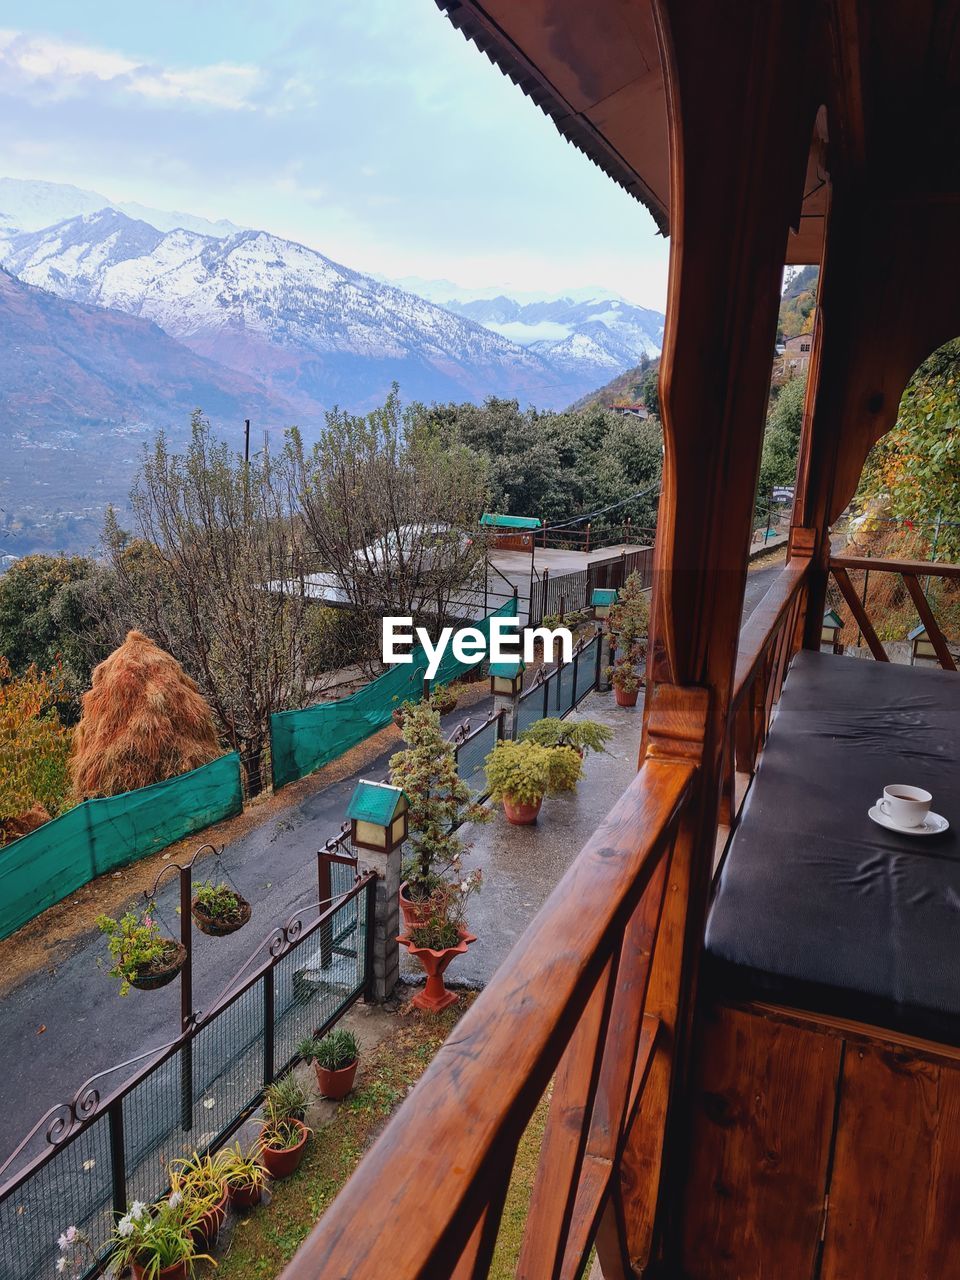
730,214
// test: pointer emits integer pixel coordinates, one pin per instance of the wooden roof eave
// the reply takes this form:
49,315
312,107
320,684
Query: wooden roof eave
480,28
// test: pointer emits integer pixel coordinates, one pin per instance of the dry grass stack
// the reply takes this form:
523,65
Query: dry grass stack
143,720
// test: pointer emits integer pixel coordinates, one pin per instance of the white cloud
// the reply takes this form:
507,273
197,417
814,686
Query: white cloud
63,68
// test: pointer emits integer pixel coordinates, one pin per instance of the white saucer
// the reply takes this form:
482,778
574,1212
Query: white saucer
933,826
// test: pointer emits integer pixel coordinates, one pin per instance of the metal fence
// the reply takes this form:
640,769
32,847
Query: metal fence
89,1158
559,594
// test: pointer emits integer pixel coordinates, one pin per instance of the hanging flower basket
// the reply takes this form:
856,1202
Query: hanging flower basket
220,926
163,970
435,996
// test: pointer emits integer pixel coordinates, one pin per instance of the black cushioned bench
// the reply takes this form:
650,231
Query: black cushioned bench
819,908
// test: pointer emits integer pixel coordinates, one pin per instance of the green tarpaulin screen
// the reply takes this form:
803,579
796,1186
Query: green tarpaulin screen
100,835
302,741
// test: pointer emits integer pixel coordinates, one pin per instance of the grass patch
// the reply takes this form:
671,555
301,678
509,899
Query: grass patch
266,1240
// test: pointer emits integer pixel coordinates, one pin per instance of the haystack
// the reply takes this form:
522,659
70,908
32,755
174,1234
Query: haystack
143,720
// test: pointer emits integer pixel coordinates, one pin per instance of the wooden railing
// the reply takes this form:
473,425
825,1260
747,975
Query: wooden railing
911,571
567,1005
768,641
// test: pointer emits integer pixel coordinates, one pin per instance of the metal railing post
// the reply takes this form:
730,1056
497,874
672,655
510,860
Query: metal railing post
324,894
118,1159
186,997
269,1026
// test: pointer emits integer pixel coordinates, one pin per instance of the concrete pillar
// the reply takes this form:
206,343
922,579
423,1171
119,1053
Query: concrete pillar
386,922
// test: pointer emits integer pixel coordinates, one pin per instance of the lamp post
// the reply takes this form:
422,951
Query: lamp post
830,631
506,684
378,815
922,646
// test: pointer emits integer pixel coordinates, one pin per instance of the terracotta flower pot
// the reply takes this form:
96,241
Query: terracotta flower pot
521,815
412,912
160,976
335,1084
244,1197
281,1164
215,928
179,1271
625,699
435,995
211,1224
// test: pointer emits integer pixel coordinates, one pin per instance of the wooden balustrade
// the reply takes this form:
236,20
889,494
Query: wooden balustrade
910,571
566,1005
768,641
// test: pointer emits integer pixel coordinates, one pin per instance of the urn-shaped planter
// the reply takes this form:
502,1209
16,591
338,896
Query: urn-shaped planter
336,1084
625,699
435,996
413,912
521,815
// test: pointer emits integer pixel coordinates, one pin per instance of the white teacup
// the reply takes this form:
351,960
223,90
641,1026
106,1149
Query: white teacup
905,806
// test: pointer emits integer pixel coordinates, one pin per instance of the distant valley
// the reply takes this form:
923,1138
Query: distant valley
114,325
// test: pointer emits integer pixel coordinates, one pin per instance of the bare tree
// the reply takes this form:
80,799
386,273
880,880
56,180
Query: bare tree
217,578
392,510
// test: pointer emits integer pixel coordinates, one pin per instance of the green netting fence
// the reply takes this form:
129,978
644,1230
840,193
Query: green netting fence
302,741
100,835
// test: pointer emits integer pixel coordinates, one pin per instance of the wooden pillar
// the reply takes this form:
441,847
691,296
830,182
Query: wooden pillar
740,124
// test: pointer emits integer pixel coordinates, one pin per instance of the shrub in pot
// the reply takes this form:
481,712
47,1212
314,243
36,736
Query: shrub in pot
582,735
244,1175
518,774
439,801
157,1241
335,1057
566,769
439,937
219,910
283,1137
625,680
629,619
200,1180
444,698
286,1098
142,956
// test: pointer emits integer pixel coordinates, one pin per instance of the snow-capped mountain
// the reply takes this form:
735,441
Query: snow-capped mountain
591,339
311,329
29,205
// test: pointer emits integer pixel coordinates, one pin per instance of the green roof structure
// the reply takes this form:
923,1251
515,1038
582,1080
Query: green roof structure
507,670
604,596
832,619
375,802
492,519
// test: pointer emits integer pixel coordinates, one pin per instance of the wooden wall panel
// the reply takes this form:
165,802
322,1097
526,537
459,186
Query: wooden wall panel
761,1130
895,1191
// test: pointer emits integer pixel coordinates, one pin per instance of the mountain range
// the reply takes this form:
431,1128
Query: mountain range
245,324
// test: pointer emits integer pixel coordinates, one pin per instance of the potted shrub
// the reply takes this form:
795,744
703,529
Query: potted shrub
244,1175
219,910
200,1181
426,770
157,1242
142,956
629,619
566,768
582,735
625,680
283,1138
518,774
440,936
335,1057
399,714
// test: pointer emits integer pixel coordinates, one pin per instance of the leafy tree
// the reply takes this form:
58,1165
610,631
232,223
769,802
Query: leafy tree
781,440
915,468
34,747
50,613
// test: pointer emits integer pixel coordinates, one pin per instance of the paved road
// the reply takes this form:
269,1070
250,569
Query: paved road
88,1028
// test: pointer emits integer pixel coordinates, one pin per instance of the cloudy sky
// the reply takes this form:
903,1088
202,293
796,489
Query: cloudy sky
370,130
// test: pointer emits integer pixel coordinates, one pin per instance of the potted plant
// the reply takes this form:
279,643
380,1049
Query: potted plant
157,1242
335,1057
444,698
518,774
200,1181
566,768
283,1137
399,714
629,619
625,680
440,936
582,735
142,956
244,1175
219,910
440,801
